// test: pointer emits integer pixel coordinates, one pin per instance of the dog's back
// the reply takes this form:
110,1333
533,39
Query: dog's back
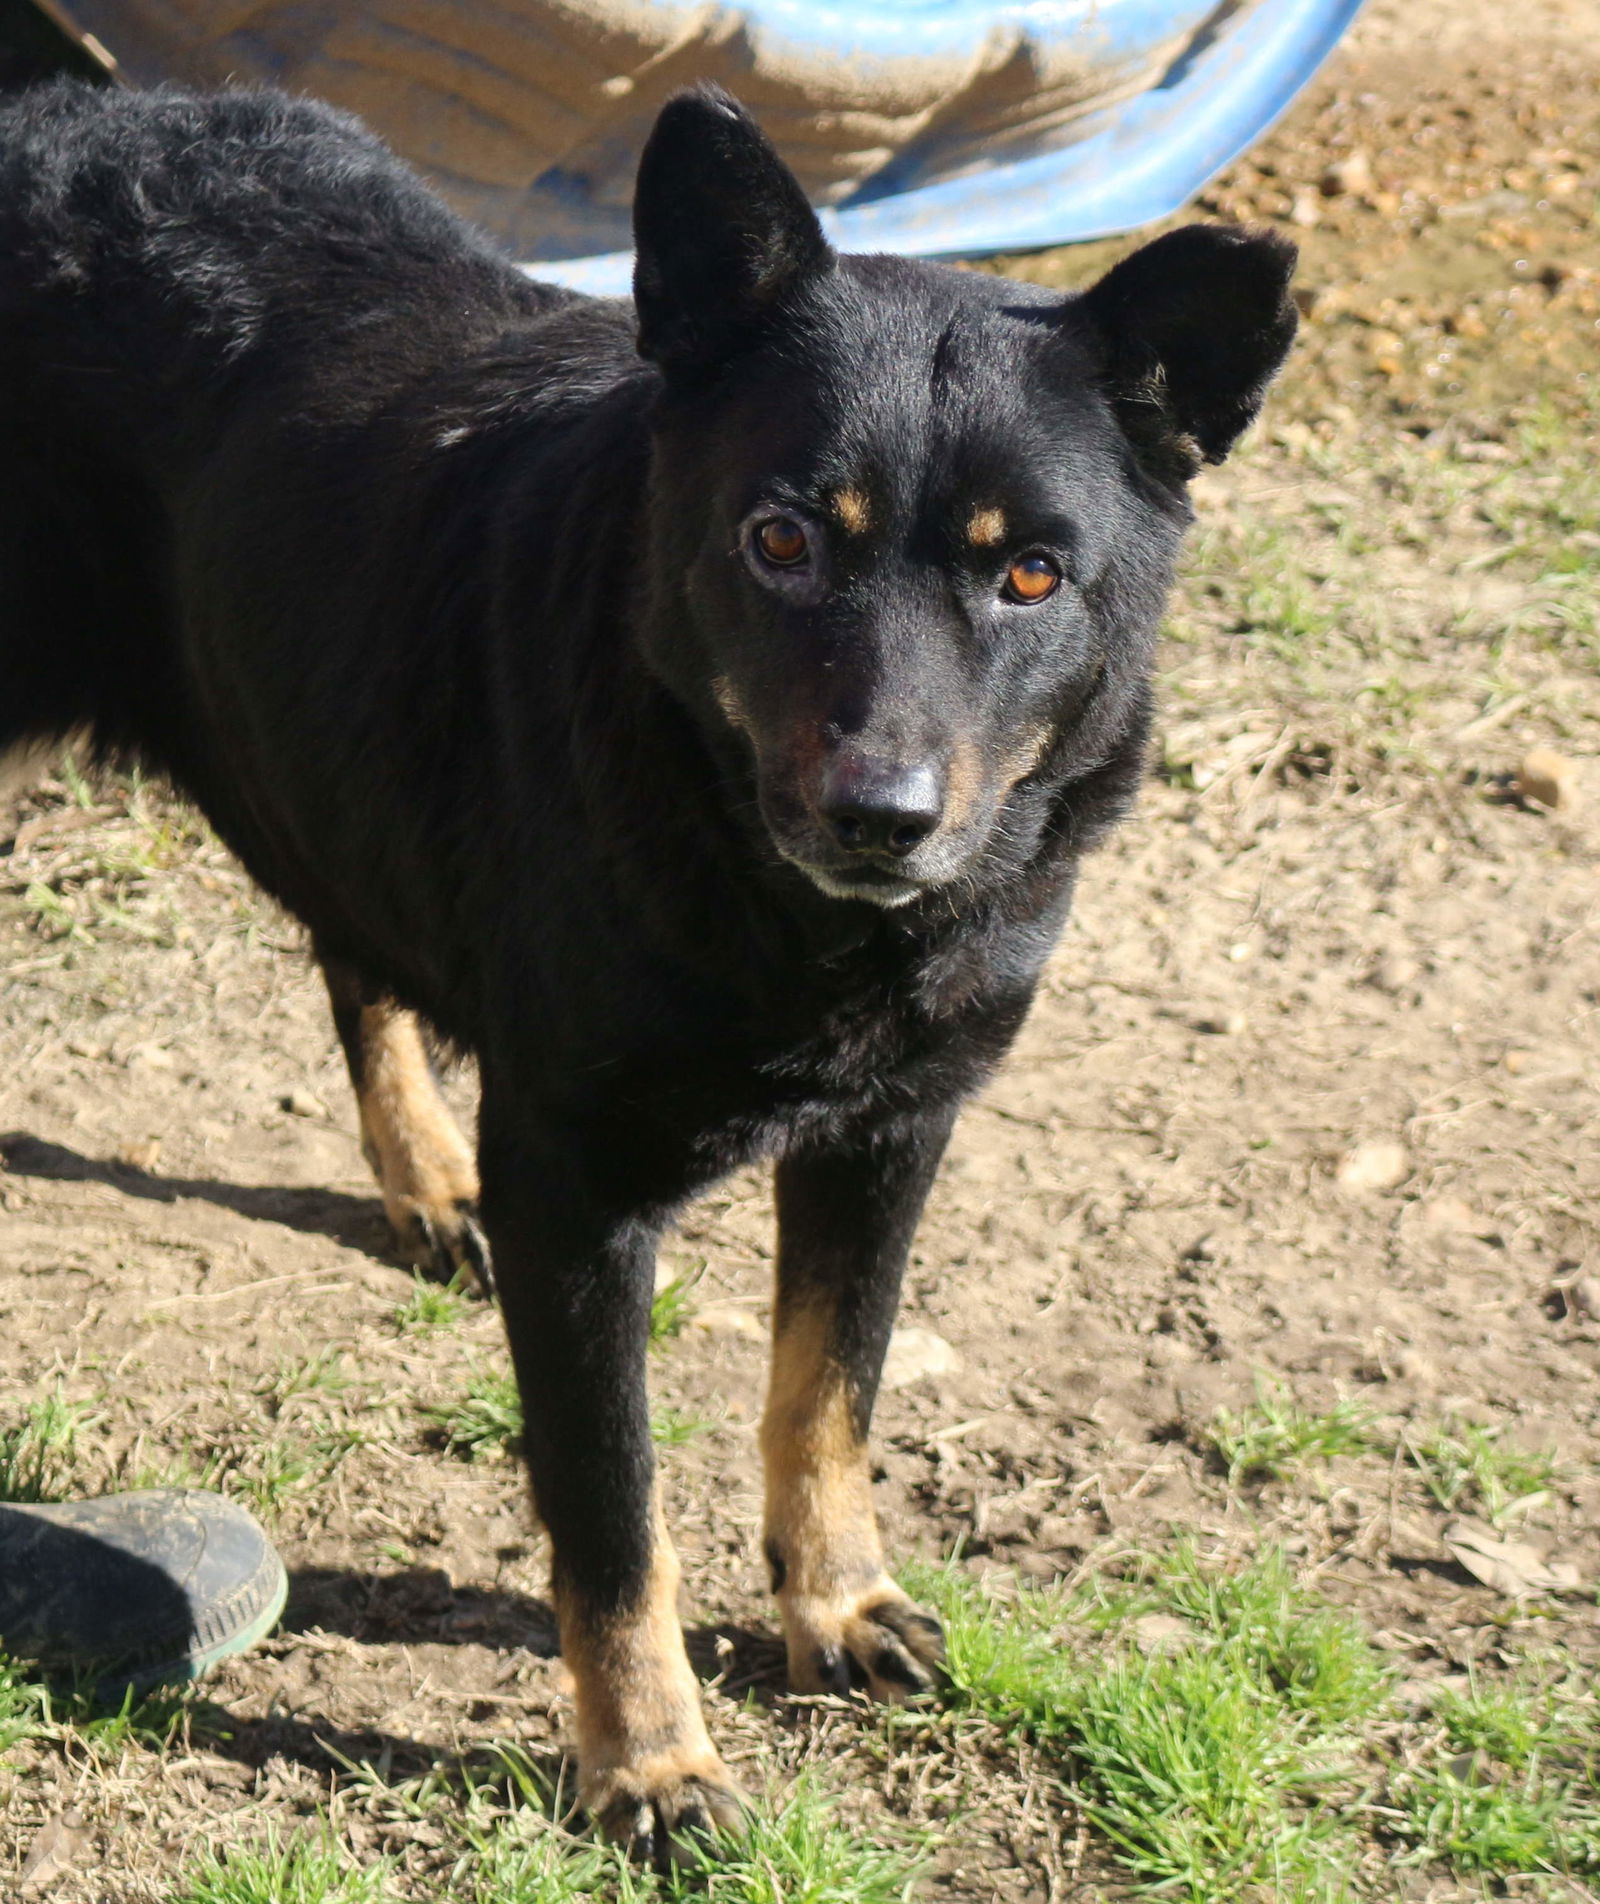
167,261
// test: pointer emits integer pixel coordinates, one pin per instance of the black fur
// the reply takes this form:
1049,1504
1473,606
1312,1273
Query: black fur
441,601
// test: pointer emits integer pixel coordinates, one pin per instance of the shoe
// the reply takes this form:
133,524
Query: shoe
145,1589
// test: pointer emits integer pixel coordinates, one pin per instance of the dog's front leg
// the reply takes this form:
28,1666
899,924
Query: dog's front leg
575,1273
846,1214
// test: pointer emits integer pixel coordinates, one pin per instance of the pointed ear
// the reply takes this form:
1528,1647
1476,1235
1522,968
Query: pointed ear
722,233
1193,327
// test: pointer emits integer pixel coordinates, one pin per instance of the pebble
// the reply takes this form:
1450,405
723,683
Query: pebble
1411,1365
302,1103
140,1154
1450,1216
1381,1164
1223,1024
1394,974
727,1318
1582,1297
915,1353
1549,779
1352,173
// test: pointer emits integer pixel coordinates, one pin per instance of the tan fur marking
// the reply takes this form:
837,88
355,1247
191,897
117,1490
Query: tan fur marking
836,1599
422,1162
853,510
819,1487
964,783
641,1731
1025,756
986,528
727,698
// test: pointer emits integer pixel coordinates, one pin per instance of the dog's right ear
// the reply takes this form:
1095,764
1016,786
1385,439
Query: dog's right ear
722,234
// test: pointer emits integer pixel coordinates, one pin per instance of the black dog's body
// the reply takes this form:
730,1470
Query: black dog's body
433,594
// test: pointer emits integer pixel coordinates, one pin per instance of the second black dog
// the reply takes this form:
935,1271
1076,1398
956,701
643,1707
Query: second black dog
697,711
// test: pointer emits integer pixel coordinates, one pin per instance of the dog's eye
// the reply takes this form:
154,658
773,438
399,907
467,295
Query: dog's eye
1031,578
782,542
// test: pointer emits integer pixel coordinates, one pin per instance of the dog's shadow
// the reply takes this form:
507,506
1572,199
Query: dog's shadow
418,1605
356,1222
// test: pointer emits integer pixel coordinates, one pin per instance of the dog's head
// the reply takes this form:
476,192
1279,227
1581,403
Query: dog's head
912,526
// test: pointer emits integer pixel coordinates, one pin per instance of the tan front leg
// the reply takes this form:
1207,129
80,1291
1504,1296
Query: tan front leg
844,1620
648,1772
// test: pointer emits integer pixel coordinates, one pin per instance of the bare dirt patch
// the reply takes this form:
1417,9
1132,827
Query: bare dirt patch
1309,1094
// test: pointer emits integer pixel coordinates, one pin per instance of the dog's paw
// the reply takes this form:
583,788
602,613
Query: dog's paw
877,1641
666,1813
445,1240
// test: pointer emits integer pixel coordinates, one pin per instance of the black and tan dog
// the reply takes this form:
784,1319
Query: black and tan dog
694,708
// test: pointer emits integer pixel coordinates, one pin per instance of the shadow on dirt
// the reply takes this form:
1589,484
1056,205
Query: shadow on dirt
323,1748
415,1605
356,1222
419,1605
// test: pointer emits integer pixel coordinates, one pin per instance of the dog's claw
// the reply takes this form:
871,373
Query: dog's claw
673,1827
447,1241
881,1644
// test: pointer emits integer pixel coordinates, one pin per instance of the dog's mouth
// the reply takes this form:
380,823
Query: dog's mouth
877,885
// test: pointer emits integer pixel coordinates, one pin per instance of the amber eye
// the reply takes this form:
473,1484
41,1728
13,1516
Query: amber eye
1031,578
782,542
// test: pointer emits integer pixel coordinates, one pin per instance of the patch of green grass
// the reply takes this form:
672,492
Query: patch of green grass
37,1452
795,1853
19,1705
1509,1787
1463,1465
276,1469
1203,1762
430,1309
1273,1437
1311,1655
35,1706
291,1870
672,1428
485,1424
324,1373
672,1306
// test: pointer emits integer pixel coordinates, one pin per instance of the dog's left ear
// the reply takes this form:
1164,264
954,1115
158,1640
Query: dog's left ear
1192,328
722,234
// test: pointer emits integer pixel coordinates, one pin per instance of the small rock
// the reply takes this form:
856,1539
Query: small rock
915,1353
1170,1351
302,1103
1381,1164
1582,1297
149,1056
1394,974
1549,779
1450,1216
1516,1062
140,1154
727,1318
1353,173
1411,1365
1305,210
1161,1633
1223,1024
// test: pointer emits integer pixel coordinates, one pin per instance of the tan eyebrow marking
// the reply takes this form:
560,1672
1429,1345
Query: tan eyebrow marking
986,527
850,506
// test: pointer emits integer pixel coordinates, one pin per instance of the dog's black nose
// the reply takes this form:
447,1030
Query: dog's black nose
881,807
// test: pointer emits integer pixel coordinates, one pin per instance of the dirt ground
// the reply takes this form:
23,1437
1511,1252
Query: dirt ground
1309,1094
